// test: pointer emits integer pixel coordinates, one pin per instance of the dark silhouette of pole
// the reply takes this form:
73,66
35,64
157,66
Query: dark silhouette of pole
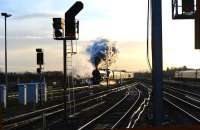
40,62
107,75
64,80
197,25
6,75
157,65
40,74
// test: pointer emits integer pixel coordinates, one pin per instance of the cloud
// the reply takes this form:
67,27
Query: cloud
2,36
36,15
28,37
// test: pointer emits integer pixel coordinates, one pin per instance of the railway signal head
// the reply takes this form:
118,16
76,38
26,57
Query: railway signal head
58,26
183,9
71,27
188,6
74,10
40,56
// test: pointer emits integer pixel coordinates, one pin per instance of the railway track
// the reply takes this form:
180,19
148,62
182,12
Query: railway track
87,102
56,91
185,101
136,115
34,116
52,107
125,113
53,100
184,86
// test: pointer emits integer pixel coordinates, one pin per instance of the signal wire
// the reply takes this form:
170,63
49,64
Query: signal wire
147,40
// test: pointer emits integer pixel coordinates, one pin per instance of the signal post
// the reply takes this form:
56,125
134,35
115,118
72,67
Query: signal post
67,29
40,62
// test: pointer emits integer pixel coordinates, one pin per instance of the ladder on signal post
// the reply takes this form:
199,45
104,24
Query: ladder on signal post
71,50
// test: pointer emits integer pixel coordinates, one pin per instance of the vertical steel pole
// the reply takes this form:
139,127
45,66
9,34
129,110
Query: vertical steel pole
120,78
6,74
64,80
40,74
197,25
107,82
157,74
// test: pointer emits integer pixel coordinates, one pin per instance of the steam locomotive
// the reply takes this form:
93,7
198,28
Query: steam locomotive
100,75
96,76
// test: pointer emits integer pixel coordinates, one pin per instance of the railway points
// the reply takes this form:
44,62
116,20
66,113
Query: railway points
104,109
182,105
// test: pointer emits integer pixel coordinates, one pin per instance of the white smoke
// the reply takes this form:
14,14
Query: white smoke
81,66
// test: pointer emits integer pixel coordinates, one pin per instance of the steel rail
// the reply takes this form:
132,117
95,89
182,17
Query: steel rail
188,96
187,113
184,91
145,86
48,108
182,100
105,112
15,95
90,122
23,122
45,109
140,109
117,123
140,113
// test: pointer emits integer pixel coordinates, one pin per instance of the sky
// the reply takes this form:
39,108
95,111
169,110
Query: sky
120,21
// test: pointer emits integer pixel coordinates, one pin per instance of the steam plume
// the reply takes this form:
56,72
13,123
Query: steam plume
100,50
